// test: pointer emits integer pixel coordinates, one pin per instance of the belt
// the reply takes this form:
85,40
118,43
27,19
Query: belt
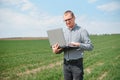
73,61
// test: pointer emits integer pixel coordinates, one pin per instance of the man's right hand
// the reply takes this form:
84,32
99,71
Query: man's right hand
56,48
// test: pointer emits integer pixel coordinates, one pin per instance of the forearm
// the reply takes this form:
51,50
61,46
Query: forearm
88,46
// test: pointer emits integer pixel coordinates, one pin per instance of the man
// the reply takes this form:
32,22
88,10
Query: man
73,57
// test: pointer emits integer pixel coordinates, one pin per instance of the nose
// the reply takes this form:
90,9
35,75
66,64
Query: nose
67,22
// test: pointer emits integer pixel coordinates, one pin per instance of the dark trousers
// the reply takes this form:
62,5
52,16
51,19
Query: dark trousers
73,69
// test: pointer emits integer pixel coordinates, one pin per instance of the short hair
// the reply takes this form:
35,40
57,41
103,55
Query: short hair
69,11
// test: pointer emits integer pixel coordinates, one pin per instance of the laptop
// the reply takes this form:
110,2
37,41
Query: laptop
57,36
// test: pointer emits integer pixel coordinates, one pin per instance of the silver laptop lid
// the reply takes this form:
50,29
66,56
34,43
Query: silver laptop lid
56,36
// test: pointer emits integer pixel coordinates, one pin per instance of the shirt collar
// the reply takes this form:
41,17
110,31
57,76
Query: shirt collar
73,27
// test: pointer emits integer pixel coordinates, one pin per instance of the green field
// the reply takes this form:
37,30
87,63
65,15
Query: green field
34,60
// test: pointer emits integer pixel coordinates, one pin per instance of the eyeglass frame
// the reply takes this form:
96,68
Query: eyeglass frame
68,19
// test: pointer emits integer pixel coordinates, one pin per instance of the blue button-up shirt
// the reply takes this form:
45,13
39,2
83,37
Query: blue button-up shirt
77,34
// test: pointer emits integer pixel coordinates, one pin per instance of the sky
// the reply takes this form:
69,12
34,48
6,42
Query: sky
32,18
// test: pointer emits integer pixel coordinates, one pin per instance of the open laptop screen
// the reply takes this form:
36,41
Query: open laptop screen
56,36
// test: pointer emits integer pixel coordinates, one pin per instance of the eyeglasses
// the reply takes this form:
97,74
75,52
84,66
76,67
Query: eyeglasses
68,19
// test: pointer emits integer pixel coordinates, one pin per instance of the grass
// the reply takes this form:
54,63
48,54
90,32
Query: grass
34,60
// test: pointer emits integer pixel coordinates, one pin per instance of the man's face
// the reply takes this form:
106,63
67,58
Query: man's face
69,20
